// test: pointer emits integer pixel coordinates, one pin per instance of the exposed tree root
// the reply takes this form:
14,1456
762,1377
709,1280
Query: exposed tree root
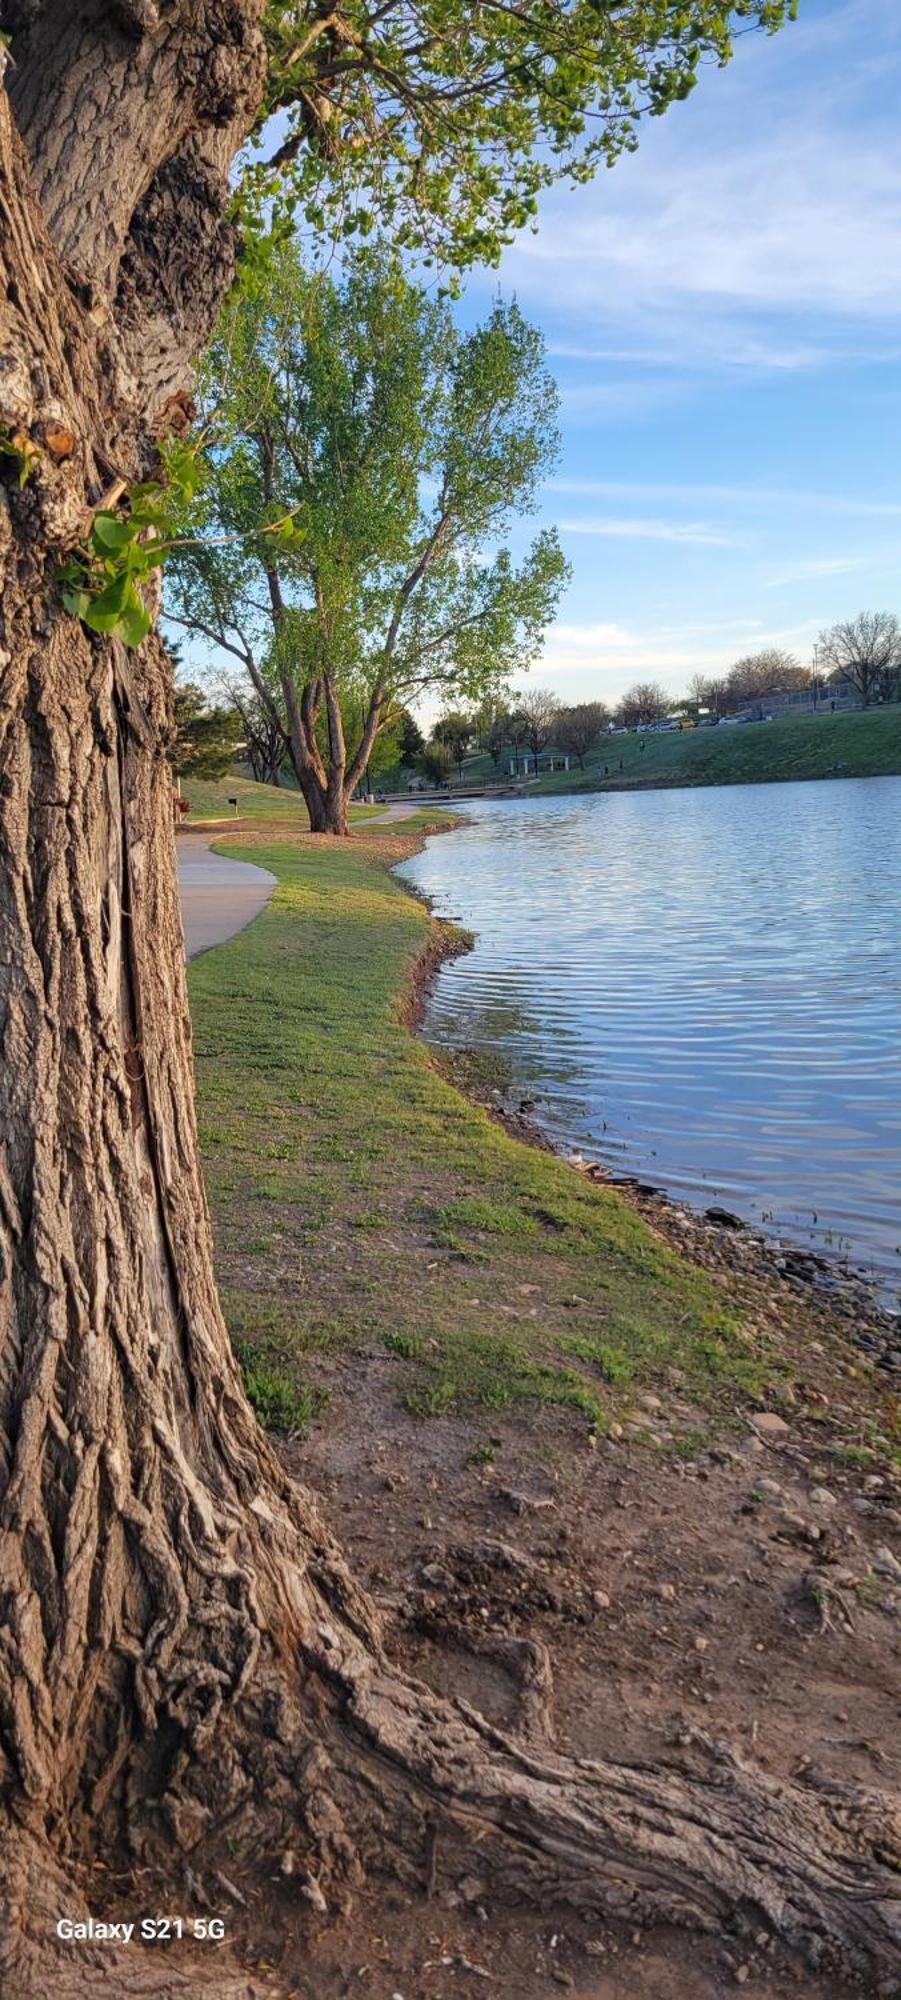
527,1661
337,1764
717,1845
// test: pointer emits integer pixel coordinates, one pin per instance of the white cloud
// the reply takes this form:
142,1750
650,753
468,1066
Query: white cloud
627,529
752,497
600,659
752,352
758,226
808,572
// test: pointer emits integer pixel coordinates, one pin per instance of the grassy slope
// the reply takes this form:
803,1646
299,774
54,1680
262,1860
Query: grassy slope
358,1197
800,746
210,801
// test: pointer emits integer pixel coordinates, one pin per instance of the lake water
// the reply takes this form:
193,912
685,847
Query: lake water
700,988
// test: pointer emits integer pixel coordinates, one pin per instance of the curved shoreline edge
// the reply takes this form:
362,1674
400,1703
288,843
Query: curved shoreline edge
722,1244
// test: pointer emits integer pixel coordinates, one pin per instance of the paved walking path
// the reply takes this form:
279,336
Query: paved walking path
218,896
394,812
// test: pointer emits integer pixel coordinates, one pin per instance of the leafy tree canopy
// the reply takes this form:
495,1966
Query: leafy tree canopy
206,737
394,451
456,731
443,120
410,739
435,762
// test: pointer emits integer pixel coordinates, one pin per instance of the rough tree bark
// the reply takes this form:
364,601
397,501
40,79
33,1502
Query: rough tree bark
181,1642
327,783
321,781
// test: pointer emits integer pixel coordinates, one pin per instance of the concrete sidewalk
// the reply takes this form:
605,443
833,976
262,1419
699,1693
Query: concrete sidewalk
218,896
396,811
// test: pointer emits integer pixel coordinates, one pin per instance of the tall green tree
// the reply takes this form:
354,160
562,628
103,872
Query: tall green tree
410,738
394,451
456,731
436,761
206,736
500,733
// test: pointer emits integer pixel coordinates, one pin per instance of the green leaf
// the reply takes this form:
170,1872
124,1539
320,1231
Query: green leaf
109,532
77,602
134,624
104,612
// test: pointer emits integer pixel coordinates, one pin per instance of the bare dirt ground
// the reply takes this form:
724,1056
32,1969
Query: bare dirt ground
724,1597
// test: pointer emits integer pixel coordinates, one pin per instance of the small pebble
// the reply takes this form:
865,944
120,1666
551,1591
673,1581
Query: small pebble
770,1425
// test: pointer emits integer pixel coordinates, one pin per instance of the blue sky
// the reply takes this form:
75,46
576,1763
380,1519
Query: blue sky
723,315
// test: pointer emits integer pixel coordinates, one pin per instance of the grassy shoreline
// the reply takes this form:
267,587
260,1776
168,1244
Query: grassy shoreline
363,1206
537,1433
792,748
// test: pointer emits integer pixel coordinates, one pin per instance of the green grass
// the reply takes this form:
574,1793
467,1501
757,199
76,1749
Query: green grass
361,1204
210,796
283,804
800,746
279,1403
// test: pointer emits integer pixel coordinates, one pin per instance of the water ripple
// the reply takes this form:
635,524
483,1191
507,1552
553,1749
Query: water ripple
702,988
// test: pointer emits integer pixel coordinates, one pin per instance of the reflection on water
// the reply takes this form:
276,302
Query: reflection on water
701,988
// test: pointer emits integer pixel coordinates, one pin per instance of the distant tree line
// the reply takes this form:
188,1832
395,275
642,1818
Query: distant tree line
525,728
861,653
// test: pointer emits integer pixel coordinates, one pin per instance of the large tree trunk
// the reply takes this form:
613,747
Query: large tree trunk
181,1642
323,784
